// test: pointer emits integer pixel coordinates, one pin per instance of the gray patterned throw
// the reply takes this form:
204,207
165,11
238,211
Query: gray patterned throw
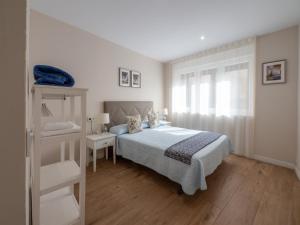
184,150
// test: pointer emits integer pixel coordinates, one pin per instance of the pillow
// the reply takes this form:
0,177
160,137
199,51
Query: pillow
145,125
134,124
165,123
145,118
153,120
119,129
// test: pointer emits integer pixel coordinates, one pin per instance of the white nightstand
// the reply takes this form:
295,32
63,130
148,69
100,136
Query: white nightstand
99,141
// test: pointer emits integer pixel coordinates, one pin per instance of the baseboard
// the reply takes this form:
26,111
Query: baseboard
274,161
297,170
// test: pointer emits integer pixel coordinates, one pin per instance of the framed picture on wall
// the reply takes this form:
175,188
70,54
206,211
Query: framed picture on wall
274,72
124,77
136,79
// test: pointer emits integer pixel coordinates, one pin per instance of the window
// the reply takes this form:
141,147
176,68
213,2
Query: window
215,92
222,90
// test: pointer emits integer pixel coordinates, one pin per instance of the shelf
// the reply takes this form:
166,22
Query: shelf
53,201
56,92
58,175
61,137
74,129
66,191
59,211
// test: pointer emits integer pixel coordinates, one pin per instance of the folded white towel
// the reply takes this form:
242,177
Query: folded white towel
52,126
74,129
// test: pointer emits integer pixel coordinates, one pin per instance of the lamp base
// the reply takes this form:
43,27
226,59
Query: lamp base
103,128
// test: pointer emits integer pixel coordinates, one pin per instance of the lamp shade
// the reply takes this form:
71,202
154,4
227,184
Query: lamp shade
166,112
104,118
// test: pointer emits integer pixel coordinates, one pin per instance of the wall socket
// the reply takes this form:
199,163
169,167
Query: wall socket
89,119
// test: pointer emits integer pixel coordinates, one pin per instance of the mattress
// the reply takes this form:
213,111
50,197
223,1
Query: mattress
147,148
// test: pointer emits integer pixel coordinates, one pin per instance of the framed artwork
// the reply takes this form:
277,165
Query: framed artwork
124,77
136,79
274,72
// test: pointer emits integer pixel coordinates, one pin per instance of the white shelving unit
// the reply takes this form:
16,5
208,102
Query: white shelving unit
53,199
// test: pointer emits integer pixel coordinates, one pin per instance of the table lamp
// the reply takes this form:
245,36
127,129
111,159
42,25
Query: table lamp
104,119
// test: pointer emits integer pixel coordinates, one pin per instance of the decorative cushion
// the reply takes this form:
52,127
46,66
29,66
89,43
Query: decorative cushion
134,124
153,119
145,119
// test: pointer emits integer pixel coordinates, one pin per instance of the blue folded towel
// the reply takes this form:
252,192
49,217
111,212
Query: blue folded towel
49,75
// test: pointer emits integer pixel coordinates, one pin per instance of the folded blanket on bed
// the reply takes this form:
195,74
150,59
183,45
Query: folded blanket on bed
49,75
184,150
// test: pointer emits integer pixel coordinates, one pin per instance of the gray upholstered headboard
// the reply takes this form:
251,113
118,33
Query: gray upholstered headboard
118,110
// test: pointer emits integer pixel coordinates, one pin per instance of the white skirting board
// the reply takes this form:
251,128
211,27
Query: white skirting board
278,163
274,161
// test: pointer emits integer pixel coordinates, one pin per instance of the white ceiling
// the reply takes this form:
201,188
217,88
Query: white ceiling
168,29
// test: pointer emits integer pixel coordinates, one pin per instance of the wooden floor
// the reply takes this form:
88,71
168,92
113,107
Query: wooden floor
241,192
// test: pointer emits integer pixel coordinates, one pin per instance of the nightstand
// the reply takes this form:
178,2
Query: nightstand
100,141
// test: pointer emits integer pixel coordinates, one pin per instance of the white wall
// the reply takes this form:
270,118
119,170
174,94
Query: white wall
93,62
12,113
276,105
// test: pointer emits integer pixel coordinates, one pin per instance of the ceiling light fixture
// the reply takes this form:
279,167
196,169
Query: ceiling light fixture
202,37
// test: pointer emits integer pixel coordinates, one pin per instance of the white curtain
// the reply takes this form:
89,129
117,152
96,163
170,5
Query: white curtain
214,91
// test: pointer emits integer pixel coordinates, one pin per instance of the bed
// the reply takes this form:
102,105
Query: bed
148,147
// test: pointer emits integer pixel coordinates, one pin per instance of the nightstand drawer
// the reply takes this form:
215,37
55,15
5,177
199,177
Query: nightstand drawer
105,143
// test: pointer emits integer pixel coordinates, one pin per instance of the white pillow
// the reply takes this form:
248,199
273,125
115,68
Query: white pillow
153,119
119,129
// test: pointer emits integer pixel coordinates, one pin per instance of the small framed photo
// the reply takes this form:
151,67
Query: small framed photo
124,77
136,79
274,72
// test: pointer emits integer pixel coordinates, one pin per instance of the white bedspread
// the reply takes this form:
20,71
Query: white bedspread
147,148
